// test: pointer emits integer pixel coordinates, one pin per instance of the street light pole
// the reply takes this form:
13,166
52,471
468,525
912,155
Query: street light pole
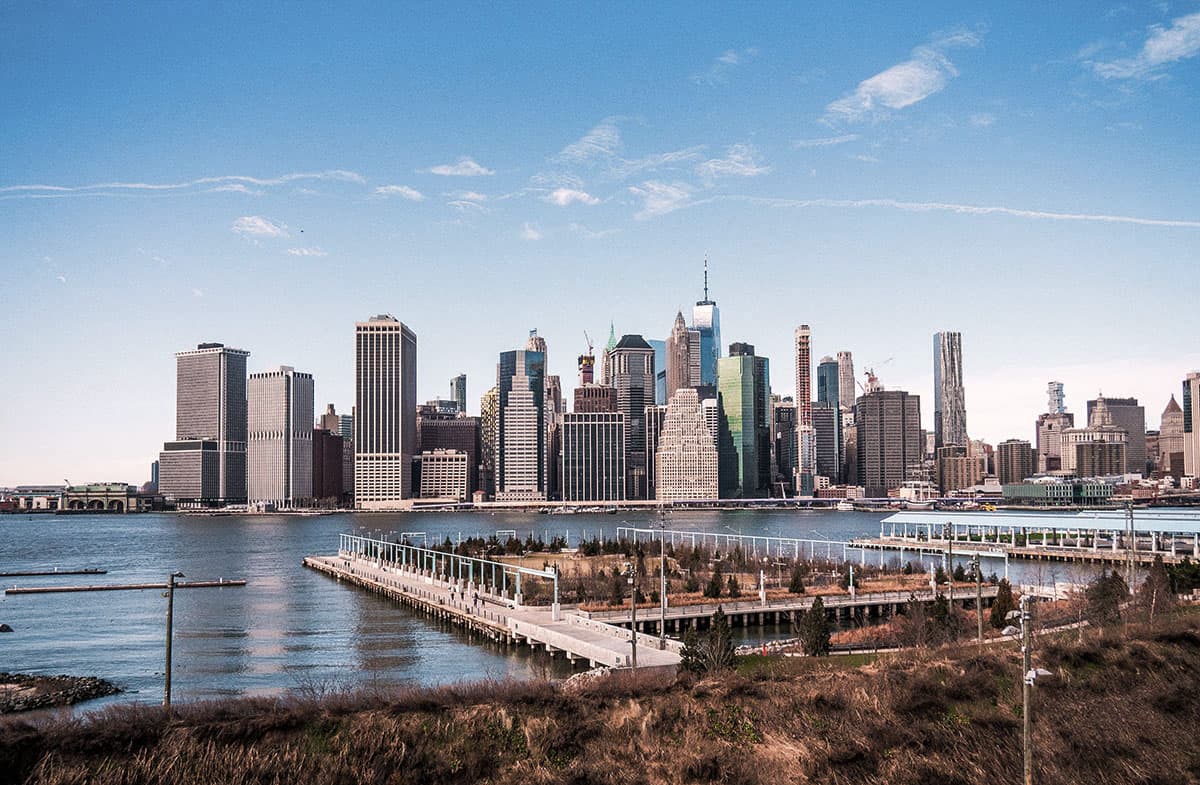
662,594
633,614
979,596
1027,689
170,622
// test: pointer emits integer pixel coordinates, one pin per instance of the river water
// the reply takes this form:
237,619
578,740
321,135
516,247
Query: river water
289,629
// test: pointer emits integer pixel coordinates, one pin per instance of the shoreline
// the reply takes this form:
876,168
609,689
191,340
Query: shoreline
24,692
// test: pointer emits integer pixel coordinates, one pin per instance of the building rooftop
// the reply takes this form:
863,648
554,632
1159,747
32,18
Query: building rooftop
633,342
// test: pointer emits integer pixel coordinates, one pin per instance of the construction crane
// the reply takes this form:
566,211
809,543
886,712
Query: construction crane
872,380
591,345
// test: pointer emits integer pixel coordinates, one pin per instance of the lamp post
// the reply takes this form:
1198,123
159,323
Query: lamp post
170,620
633,614
662,595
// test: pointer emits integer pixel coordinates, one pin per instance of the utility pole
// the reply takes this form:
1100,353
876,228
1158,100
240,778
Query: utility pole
950,566
170,621
979,596
1130,545
1027,677
633,614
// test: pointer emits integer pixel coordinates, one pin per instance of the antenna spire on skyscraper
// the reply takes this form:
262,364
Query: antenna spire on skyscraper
706,277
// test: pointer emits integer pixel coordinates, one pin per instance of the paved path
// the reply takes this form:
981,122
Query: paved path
573,633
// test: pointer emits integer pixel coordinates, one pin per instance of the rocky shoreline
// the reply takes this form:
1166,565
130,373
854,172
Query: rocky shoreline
26,692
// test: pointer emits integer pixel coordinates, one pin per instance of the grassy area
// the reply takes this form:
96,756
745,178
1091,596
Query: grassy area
1120,706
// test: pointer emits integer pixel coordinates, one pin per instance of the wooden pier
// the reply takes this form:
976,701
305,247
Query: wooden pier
120,587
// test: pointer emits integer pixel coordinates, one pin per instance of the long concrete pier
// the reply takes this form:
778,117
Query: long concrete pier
488,609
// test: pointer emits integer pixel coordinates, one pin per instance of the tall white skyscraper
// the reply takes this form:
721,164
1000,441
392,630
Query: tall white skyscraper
806,444
949,400
521,434
686,458
1056,402
846,388
279,450
385,413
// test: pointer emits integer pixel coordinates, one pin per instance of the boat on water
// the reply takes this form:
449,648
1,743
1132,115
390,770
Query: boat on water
844,506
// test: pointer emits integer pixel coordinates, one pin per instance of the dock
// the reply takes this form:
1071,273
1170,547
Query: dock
120,587
457,589
45,573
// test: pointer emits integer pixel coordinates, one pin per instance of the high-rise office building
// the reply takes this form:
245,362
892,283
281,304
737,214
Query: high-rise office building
1170,440
279,449
686,459
829,392
949,401
956,468
385,412
330,420
654,421
328,468
595,398
706,320
1014,461
345,427
206,464
889,444
458,392
632,361
1126,413
660,370
828,439
1100,429
806,443
1050,428
1191,424
438,433
444,474
489,422
845,362
1056,402
682,357
521,427
593,457
828,383
785,439
743,384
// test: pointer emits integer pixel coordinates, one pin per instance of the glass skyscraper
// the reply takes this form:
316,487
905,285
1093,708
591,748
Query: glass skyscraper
706,319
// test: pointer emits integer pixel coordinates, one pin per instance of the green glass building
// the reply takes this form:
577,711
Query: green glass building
744,394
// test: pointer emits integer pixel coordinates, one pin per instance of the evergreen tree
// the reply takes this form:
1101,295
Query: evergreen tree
714,587
1155,594
797,584
1002,605
959,573
814,630
691,657
939,577
908,568
711,653
1104,595
616,588
692,583
732,586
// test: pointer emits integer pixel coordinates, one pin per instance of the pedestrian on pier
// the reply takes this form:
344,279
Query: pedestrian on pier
475,600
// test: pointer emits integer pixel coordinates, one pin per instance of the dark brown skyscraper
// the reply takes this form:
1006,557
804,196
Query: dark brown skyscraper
889,440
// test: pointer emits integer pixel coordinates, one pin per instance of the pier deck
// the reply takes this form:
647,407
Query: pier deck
500,618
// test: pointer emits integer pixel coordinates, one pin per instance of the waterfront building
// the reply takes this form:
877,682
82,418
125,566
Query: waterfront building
686,459
1100,459
949,401
632,361
105,497
385,412
846,381
439,432
654,421
521,427
1050,429
827,433
1057,491
210,406
706,321
593,457
1100,429
489,423
1014,461
328,475
1126,413
444,474
458,392
1170,441
279,449
889,449
152,486
743,384
956,469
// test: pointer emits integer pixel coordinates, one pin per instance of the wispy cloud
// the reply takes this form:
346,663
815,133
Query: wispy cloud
236,188
403,191
718,71
866,159
464,167
197,292
307,252
255,226
962,209
530,232
659,198
62,278
741,160
925,73
1163,46
672,159
590,234
982,119
824,141
602,141
565,196
217,183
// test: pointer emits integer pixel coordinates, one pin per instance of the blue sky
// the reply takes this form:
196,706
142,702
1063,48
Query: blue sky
267,174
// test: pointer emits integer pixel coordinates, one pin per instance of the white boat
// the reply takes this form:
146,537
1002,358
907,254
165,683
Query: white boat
844,506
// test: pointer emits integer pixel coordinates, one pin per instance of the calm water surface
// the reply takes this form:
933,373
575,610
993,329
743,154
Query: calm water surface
290,628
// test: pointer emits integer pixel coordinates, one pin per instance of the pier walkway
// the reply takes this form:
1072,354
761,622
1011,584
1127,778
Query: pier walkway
495,614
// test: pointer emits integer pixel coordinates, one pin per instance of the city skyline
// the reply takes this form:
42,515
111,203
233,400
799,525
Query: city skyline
951,169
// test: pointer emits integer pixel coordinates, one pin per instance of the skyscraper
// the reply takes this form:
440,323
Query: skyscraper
827,439
329,420
521,427
1014,461
489,423
785,439
1170,440
1100,429
889,440
686,460
385,412
345,427
593,457
1050,427
706,320
682,368
743,384
949,402
207,461
1191,424
654,421
845,361
632,361
828,381
279,451
1126,413
458,392
1056,402
806,445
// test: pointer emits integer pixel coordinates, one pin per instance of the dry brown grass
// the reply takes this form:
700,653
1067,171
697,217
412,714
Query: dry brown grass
1119,708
